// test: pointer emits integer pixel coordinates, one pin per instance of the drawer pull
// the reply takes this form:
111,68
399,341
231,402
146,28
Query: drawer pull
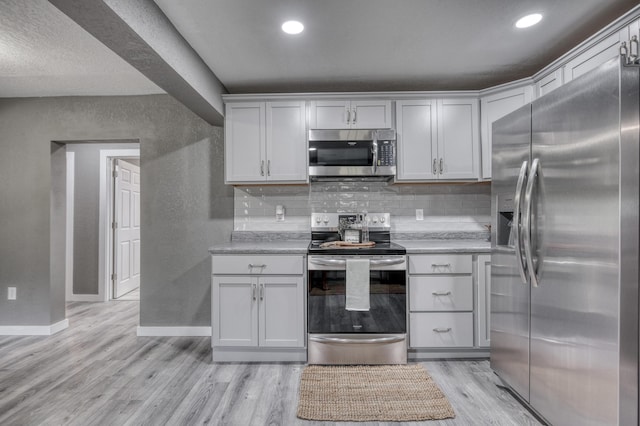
442,330
251,265
440,265
441,293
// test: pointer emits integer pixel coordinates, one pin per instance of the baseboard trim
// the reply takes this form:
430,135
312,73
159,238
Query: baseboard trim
174,331
224,354
33,330
85,298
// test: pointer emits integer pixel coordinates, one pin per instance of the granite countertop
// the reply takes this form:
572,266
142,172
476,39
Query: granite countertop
445,246
261,247
300,246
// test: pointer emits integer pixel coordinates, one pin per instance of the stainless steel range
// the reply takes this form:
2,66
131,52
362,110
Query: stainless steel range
356,319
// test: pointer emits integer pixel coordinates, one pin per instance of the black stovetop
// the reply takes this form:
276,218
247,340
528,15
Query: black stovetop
382,247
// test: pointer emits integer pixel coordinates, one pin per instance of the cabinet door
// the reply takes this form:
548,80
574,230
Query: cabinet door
416,139
329,115
458,134
493,108
281,311
286,142
244,142
234,311
484,301
370,115
548,83
595,56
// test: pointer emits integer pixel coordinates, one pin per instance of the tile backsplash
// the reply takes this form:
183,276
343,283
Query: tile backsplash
443,205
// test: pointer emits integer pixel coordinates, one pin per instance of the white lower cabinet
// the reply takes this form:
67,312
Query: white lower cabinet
448,310
441,329
252,306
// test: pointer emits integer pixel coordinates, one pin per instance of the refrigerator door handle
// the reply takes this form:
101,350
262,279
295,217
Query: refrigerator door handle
526,222
517,201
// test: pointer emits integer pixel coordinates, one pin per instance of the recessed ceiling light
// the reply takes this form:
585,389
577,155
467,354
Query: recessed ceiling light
529,20
292,27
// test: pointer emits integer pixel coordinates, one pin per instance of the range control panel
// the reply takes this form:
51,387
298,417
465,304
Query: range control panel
329,221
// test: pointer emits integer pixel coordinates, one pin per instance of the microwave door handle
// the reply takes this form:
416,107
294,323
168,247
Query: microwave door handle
374,149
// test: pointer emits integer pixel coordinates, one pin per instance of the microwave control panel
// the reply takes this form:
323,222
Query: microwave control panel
386,153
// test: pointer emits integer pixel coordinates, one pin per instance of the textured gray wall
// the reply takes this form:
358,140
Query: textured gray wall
86,213
185,205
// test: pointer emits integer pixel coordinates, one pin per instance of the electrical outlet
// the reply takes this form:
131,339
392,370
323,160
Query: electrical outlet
419,214
11,293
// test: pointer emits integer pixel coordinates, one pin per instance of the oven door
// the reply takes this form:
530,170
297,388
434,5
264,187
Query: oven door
326,296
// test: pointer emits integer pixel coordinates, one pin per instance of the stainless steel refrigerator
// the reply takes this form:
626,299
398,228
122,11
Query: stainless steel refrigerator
564,265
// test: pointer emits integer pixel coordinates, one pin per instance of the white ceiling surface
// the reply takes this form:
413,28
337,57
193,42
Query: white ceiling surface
369,45
348,45
45,53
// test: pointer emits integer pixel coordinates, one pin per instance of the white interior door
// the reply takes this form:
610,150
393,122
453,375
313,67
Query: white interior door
127,229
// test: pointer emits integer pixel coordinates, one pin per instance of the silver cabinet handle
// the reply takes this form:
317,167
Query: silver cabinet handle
268,167
262,168
623,50
355,116
516,227
441,293
526,222
254,265
441,166
442,330
633,49
440,265
253,291
435,166
261,291
348,116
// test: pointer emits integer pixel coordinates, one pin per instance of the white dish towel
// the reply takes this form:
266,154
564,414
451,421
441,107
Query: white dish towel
357,293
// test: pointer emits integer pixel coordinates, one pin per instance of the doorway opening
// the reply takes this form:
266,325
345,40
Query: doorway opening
100,245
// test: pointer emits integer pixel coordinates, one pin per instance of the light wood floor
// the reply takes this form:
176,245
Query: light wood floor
97,372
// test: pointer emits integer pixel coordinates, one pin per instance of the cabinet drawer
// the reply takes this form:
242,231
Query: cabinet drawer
256,265
441,293
440,264
441,329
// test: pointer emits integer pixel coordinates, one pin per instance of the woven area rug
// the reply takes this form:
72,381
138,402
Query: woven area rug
371,393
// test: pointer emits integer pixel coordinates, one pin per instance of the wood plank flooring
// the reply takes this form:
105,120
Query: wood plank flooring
98,372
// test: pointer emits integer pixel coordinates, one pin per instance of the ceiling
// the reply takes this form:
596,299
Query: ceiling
347,45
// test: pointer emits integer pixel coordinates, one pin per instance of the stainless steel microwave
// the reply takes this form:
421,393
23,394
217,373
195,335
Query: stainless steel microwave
363,154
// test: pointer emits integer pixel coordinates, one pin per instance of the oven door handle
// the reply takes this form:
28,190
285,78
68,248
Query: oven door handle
326,339
387,262
343,262
328,262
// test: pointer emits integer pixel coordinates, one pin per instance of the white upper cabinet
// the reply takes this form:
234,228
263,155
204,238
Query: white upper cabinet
437,139
549,83
265,142
360,114
416,127
494,107
458,150
596,55
244,138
